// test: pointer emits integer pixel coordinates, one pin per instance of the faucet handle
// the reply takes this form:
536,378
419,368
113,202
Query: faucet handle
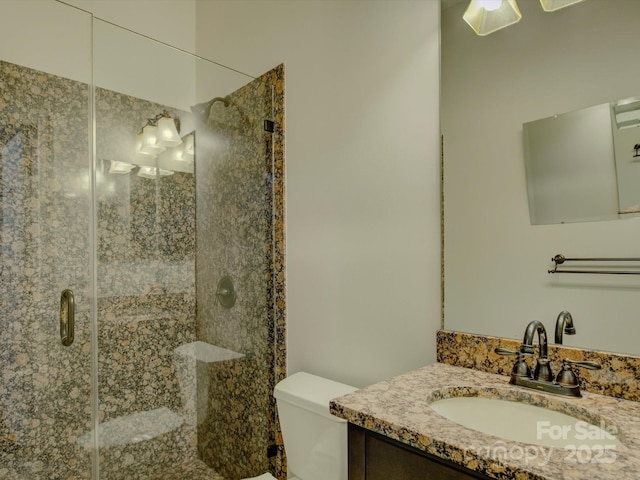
520,368
505,351
566,376
588,364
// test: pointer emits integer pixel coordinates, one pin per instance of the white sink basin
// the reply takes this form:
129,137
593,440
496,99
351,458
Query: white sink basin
525,423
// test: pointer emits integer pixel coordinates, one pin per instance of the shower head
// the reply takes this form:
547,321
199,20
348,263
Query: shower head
201,110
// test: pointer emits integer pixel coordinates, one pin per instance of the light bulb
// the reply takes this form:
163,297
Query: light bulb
150,141
138,155
490,5
488,16
167,134
173,154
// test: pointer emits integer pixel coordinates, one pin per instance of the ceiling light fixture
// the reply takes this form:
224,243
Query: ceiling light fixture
159,137
158,150
488,16
159,133
150,144
168,135
553,5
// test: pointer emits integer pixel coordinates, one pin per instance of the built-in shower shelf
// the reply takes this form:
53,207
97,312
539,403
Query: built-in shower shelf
205,352
133,428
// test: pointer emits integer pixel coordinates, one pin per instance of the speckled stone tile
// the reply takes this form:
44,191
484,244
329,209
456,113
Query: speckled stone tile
276,78
619,376
44,168
240,208
399,408
145,247
148,272
154,400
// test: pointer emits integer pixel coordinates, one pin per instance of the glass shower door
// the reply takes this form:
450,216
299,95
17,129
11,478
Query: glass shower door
45,206
167,408
185,376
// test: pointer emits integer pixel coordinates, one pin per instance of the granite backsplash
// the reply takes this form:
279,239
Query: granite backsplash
617,378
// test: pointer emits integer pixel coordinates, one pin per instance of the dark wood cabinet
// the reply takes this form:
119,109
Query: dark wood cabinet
375,457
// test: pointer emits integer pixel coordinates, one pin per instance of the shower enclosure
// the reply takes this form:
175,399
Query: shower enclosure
142,259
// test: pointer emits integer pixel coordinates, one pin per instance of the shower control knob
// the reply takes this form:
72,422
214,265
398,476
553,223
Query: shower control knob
226,292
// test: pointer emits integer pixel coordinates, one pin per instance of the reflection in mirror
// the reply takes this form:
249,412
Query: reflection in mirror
581,165
570,167
626,145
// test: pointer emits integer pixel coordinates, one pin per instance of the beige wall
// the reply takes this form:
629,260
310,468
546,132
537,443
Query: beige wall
362,156
168,21
63,46
121,61
495,261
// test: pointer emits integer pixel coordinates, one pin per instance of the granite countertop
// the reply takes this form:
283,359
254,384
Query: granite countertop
399,408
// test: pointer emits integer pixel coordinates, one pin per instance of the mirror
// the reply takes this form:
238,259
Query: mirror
495,260
583,165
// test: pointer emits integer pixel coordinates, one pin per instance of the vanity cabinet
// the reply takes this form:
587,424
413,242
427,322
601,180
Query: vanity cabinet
375,457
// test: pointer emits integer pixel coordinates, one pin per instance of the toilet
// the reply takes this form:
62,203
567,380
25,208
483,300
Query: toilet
314,440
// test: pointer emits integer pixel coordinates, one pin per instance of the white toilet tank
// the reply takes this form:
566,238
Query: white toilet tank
314,440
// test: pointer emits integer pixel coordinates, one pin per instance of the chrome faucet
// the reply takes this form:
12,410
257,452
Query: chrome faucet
564,323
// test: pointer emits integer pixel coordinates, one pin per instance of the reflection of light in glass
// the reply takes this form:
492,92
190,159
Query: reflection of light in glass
110,187
139,157
120,167
167,134
150,141
189,148
175,153
189,145
150,172
78,184
627,112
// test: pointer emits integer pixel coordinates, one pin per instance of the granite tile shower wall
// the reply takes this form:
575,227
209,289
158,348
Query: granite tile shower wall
45,388
239,234
169,394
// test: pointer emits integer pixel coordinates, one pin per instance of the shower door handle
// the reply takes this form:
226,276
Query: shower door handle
67,317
